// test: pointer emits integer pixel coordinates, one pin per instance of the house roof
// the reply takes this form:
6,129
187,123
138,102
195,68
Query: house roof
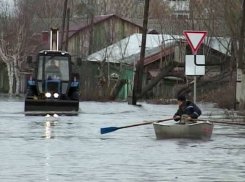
159,55
85,23
152,31
221,44
128,50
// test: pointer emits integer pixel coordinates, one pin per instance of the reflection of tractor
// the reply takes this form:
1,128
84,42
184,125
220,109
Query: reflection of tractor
53,87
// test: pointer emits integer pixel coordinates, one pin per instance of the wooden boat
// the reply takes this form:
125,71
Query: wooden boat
199,130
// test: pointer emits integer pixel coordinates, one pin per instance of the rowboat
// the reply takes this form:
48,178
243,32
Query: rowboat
200,130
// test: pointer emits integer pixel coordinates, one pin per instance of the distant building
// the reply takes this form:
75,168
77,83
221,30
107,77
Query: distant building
123,8
107,29
180,8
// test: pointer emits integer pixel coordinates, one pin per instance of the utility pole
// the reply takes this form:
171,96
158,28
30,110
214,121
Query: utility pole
63,23
67,28
138,77
191,6
241,63
91,34
241,57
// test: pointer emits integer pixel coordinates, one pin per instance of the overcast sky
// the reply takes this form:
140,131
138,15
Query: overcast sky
3,7
8,1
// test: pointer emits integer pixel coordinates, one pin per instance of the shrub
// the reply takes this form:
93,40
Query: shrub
224,97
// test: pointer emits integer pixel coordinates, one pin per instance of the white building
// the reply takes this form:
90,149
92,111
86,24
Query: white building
180,8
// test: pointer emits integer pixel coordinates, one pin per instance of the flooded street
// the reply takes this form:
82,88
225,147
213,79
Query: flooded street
35,148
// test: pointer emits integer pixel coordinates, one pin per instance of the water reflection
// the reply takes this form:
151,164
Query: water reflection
49,124
47,130
47,163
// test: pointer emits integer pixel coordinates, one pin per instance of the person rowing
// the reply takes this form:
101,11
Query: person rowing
187,110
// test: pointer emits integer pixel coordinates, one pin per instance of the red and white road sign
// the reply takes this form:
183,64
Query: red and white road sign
195,39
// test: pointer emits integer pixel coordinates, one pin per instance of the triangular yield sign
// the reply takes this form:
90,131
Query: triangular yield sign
195,39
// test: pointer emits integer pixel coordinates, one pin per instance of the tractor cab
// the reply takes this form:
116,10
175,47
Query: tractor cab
53,74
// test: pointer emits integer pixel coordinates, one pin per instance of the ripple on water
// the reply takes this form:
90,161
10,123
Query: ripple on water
72,148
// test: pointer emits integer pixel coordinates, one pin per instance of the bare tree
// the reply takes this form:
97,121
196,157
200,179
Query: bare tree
13,41
45,13
226,18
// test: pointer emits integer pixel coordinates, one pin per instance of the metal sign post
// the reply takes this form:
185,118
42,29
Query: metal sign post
195,39
195,82
191,69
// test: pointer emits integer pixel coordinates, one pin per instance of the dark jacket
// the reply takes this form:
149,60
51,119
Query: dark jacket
53,70
190,109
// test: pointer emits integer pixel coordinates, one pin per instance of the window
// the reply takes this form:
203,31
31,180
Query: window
55,67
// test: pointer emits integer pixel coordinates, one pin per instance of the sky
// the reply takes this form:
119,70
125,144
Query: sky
9,2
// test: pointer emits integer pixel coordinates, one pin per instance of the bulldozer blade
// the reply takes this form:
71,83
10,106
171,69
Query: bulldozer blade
51,106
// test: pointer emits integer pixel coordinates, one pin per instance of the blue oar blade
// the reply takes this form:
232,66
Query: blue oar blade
108,130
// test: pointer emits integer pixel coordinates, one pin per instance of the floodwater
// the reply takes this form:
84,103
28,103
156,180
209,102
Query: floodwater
62,149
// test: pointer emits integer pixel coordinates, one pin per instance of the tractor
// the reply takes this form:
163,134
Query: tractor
52,87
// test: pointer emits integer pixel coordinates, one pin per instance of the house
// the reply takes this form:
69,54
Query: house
180,8
106,30
126,53
160,49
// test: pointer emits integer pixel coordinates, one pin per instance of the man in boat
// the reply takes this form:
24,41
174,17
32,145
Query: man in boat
187,110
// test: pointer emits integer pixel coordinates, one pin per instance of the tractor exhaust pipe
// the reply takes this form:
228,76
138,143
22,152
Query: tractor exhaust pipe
54,39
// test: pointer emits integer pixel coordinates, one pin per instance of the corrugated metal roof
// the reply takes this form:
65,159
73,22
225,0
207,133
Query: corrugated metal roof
221,44
159,55
128,50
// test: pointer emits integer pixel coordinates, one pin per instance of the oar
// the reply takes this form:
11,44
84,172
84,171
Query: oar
111,129
221,122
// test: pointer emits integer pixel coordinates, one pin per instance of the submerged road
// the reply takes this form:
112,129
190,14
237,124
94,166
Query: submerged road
62,149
